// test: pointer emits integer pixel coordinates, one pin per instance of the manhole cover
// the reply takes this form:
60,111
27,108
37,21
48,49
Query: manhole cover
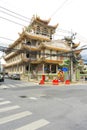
23,96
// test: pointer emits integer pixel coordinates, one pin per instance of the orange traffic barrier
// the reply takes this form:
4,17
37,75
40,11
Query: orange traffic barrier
55,82
41,82
67,82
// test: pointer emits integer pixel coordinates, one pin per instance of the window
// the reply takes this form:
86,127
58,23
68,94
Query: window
44,31
38,30
27,55
28,43
34,42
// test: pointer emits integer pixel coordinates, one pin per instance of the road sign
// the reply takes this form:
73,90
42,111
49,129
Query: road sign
64,69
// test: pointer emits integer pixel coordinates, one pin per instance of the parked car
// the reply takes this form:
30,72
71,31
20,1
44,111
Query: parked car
16,76
1,78
6,76
10,76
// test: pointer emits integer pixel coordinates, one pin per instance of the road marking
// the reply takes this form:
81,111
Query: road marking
34,125
14,117
19,85
8,86
3,86
11,86
9,108
33,98
5,102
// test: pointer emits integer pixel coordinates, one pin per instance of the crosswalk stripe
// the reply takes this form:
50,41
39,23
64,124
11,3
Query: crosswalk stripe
34,125
14,117
5,102
3,86
9,108
14,86
11,86
19,85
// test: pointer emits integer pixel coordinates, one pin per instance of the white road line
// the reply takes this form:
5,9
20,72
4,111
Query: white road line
3,86
33,98
19,85
9,108
14,117
34,125
11,86
5,102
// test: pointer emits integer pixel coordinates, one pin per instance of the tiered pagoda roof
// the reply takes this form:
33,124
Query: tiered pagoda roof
42,22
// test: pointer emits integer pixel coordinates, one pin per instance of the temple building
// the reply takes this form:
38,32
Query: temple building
35,52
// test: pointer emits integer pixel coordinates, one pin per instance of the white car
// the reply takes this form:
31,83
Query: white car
1,78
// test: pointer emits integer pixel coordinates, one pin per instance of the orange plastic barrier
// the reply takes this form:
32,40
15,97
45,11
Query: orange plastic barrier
55,82
41,82
67,82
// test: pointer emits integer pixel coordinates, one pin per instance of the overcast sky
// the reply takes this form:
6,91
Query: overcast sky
70,14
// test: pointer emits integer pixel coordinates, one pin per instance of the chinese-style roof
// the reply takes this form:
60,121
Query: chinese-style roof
75,45
31,48
25,34
77,51
57,45
42,22
36,36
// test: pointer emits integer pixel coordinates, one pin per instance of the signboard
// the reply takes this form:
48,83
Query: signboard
65,69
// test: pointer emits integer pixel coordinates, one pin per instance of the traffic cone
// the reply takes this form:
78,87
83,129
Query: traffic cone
67,82
41,82
55,82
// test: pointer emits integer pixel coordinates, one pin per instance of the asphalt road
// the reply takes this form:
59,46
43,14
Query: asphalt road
28,106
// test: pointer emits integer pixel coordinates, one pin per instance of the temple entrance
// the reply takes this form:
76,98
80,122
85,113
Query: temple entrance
53,68
50,68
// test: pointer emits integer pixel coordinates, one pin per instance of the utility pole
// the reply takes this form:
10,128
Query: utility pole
71,58
70,42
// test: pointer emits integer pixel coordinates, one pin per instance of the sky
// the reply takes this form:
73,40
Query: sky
69,14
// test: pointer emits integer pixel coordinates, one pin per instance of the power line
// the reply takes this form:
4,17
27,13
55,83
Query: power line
63,30
2,48
14,13
59,29
14,16
59,8
11,21
7,38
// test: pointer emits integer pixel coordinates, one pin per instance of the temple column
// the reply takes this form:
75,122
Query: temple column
50,68
23,68
56,68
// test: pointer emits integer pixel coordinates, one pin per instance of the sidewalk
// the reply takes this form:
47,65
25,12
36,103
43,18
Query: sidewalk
59,84
63,84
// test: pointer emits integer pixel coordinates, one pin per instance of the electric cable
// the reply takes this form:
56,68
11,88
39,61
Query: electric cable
14,16
11,21
2,48
14,13
6,38
59,8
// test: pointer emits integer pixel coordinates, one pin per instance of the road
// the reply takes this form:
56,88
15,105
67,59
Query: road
28,106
